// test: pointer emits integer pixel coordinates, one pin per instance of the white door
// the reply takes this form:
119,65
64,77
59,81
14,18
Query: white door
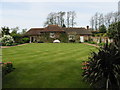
81,38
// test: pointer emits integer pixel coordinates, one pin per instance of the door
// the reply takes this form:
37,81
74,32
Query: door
81,38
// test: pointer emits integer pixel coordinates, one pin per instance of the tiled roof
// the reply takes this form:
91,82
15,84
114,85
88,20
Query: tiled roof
56,28
34,31
53,27
81,31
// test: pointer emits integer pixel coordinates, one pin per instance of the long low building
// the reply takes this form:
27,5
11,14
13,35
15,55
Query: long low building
52,32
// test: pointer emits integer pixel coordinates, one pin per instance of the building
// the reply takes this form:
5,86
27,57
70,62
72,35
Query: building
52,32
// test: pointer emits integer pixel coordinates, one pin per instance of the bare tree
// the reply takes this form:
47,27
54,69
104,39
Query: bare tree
96,21
73,15
115,17
100,20
108,19
68,18
59,18
92,22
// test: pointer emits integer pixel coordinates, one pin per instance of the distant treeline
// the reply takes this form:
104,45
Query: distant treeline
100,19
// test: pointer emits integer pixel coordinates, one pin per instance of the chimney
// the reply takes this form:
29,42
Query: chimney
87,27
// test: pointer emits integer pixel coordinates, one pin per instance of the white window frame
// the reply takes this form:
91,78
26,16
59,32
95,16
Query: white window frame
71,37
52,35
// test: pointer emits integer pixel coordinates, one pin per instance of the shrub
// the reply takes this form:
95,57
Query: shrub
14,44
6,68
91,42
103,68
40,42
72,41
17,37
25,40
101,44
63,38
7,40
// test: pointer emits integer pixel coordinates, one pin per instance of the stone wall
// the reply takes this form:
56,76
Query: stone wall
101,39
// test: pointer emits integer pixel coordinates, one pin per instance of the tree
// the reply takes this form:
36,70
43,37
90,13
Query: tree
5,30
61,15
108,19
92,22
73,15
114,32
55,18
68,18
14,30
59,19
96,21
99,19
102,29
24,31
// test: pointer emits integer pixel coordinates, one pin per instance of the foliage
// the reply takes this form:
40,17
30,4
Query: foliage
45,37
14,37
99,34
25,40
24,31
5,31
18,38
114,33
113,30
7,40
103,68
91,42
102,29
14,30
6,68
101,44
63,38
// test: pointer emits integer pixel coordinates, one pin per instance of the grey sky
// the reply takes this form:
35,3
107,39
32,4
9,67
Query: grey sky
33,14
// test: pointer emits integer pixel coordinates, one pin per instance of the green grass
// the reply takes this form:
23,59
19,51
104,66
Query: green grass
46,65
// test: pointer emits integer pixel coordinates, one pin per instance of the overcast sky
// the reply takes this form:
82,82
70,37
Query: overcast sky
33,13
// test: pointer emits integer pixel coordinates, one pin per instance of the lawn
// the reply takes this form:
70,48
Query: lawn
46,65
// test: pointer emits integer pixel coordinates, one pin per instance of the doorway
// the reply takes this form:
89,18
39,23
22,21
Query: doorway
81,38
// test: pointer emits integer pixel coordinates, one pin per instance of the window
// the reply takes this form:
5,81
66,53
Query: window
52,35
71,37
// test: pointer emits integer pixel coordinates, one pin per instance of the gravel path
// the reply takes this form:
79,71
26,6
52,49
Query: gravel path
91,44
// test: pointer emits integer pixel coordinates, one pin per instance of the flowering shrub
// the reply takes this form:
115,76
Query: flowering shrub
86,67
7,40
6,68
